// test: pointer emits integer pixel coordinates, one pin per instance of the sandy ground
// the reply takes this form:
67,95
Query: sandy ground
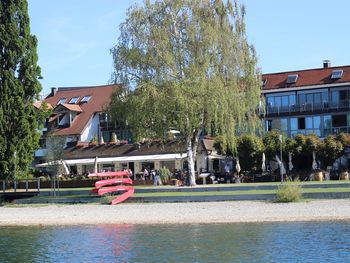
169,213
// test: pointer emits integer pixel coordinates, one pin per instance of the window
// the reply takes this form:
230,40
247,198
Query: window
85,99
280,124
308,123
73,100
285,101
292,100
339,121
61,101
337,74
292,79
293,124
268,125
301,123
327,122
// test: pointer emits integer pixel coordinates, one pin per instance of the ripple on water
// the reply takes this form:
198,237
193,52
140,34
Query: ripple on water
248,242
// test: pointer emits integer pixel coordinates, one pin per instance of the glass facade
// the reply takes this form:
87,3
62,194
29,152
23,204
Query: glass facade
320,111
321,125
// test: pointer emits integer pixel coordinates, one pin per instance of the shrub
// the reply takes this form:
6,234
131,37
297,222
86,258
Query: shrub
165,174
288,192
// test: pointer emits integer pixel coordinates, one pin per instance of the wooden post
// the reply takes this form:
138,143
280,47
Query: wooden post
27,185
38,184
15,185
3,186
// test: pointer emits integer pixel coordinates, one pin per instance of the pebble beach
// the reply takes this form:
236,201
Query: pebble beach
176,213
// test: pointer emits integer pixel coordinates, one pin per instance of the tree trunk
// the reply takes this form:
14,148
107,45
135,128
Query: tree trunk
192,145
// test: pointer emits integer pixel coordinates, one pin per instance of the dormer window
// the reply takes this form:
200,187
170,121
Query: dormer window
61,101
85,99
292,79
73,100
337,74
263,82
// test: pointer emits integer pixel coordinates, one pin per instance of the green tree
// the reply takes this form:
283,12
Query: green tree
330,149
272,144
249,151
19,86
186,65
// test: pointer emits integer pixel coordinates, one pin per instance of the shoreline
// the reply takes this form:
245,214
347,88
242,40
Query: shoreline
176,213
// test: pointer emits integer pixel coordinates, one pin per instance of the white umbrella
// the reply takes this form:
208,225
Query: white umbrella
95,166
314,163
65,166
283,170
290,164
238,167
263,165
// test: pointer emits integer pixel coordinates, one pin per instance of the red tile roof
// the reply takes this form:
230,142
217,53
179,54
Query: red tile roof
100,98
309,77
39,104
71,107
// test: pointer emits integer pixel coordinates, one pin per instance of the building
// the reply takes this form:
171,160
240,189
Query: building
308,101
78,115
81,158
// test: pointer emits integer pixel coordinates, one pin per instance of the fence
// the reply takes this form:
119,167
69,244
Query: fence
15,186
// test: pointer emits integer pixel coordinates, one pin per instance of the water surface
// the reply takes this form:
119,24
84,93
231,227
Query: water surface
249,242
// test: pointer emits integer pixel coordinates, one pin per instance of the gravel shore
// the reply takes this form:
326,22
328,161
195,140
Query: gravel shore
176,213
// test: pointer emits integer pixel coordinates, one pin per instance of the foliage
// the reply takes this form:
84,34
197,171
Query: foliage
272,144
249,151
113,138
289,192
186,65
164,174
344,139
312,144
19,82
330,150
55,152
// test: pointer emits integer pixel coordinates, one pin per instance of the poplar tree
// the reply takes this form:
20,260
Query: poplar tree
186,64
19,86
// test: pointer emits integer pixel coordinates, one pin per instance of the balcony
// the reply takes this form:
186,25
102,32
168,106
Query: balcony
308,108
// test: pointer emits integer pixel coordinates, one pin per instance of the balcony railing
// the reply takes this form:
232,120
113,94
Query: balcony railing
308,107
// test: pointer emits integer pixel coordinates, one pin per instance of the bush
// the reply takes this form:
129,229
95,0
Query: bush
288,192
165,174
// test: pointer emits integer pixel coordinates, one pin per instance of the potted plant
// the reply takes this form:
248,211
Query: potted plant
114,139
94,141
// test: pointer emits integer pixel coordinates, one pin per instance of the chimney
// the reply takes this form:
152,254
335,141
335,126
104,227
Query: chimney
326,63
53,91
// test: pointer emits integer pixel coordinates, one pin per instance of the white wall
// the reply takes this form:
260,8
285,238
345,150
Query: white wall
91,129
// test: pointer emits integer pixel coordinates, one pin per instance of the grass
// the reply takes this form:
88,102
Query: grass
222,191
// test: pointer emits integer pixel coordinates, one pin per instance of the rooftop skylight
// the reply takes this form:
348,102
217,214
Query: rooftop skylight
337,74
61,101
73,100
85,99
292,78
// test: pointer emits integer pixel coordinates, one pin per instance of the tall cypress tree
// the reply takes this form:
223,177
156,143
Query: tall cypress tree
19,86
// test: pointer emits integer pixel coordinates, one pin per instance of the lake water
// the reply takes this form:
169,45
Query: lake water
267,242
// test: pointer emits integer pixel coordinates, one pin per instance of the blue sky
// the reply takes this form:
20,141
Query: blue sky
75,36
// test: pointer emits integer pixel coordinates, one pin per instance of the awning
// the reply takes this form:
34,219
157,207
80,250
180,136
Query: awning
144,158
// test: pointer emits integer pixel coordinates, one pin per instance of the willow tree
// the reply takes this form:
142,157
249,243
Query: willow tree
186,64
19,86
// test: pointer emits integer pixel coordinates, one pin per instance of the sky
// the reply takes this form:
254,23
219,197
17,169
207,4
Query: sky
75,36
